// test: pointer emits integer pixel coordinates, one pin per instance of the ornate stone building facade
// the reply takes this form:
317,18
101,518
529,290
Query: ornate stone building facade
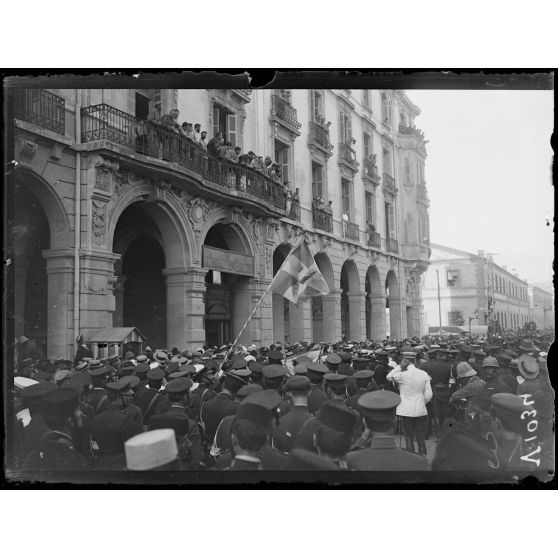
118,222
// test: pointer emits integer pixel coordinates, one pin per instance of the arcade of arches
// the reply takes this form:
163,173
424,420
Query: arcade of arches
144,277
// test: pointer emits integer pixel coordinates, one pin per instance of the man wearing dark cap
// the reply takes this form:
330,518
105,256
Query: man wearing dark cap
364,382
275,357
109,430
150,400
439,370
476,361
214,410
334,432
332,361
97,398
382,369
55,451
493,382
187,431
317,396
257,372
121,397
274,379
289,425
379,449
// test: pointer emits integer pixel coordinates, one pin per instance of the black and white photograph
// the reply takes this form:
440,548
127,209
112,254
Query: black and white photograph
298,282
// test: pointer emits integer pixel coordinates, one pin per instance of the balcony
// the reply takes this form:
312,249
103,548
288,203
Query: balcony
42,108
374,239
318,135
322,220
370,170
411,131
347,156
389,184
392,245
351,231
103,122
285,113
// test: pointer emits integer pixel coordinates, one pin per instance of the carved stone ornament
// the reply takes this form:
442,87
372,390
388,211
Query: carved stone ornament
374,256
103,180
325,243
27,151
98,220
198,210
103,162
272,228
269,259
392,260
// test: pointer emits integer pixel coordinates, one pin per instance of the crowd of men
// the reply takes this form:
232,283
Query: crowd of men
487,403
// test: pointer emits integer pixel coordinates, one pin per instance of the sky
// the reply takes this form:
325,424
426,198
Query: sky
489,174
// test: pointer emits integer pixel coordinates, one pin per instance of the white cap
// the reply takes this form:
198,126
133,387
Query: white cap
198,367
151,449
23,382
249,358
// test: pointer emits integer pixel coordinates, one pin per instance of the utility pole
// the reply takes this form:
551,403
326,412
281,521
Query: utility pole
439,301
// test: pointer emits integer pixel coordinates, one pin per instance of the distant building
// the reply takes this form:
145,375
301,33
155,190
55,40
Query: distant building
541,307
474,290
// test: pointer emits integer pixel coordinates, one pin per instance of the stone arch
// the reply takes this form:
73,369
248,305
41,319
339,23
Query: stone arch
59,224
393,303
326,269
243,241
169,217
375,305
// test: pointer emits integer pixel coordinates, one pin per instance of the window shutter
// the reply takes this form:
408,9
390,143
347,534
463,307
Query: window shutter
313,112
231,128
341,128
391,220
349,129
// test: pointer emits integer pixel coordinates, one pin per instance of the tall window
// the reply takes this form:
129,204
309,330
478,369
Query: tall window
317,180
317,107
346,198
370,208
386,109
366,98
455,318
386,159
390,219
452,277
282,159
224,121
408,173
366,145
345,132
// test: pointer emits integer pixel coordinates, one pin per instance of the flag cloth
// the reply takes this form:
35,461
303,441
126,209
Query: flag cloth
299,276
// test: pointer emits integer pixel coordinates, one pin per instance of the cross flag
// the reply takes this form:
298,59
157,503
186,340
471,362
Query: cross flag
299,276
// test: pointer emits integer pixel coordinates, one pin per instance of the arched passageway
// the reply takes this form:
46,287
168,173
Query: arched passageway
375,305
393,306
351,302
323,308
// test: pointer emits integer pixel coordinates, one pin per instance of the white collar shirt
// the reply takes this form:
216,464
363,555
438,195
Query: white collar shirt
414,390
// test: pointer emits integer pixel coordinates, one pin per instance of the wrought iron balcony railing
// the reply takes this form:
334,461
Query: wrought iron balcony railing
348,155
322,219
392,245
374,239
319,135
103,122
351,231
284,111
42,108
389,183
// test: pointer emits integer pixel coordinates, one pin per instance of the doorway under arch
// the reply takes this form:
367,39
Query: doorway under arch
323,307
393,305
375,305
350,306
141,299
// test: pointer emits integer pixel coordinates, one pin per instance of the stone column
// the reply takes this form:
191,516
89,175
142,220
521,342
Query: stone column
60,288
97,300
378,317
185,307
278,333
332,317
20,276
396,324
301,321
265,314
357,316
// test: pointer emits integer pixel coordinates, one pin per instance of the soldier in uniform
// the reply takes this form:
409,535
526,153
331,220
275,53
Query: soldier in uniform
317,396
382,369
289,425
493,382
121,397
365,382
506,372
439,371
377,448
332,361
476,361
274,379
214,410
150,400
96,400
55,450
156,450
275,357
187,432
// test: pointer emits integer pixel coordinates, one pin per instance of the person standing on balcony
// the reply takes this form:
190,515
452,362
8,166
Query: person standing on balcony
154,134
197,133
329,207
215,143
202,143
170,143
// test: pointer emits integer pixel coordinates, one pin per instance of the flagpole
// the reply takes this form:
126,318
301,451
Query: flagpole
219,373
